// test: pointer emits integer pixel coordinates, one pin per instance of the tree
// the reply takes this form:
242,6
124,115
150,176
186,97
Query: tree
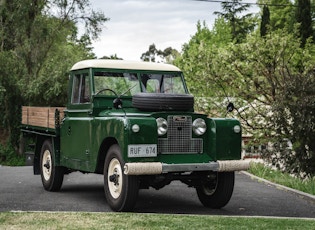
166,55
295,121
303,17
270,80
313,17
38,46
150,55
279,88
113,57
198,63
240,25
200,52
265,21
281,14
10,97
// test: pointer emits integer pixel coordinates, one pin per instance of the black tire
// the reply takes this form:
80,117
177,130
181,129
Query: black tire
121,191
163,102
52,175
217,193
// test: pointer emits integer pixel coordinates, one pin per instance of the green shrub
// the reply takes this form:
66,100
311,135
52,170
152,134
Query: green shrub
8,156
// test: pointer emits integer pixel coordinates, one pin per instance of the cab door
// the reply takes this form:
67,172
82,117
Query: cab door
76,133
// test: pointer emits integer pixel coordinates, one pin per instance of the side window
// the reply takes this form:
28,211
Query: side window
80,89
85,94
76,89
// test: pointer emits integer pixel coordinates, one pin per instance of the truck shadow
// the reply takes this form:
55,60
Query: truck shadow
169,200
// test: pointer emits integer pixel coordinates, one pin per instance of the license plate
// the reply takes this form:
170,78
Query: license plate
142,150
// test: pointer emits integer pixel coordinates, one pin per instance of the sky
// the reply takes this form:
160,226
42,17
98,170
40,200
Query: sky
136,24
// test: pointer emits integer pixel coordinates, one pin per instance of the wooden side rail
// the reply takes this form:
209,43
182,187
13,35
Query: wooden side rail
41,116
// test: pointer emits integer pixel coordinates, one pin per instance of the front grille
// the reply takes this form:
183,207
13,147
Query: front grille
179,137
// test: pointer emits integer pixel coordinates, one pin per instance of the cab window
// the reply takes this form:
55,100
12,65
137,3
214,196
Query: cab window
81,89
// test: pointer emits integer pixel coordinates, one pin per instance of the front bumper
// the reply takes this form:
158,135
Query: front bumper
155,168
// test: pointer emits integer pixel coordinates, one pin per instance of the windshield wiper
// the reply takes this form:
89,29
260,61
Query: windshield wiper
127,90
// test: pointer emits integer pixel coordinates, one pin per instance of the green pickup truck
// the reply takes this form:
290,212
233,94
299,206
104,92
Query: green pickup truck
133,122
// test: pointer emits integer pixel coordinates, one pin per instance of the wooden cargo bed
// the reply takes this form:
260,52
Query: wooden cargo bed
41,116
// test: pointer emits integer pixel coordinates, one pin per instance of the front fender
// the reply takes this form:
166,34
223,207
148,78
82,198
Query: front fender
120,128
228,142
147,133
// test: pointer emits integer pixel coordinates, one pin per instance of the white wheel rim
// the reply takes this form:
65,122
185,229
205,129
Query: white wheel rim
115,187
210,190
46,165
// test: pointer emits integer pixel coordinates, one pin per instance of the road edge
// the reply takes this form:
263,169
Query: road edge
303,195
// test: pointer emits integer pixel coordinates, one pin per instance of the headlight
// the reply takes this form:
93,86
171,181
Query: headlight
199,126
161,126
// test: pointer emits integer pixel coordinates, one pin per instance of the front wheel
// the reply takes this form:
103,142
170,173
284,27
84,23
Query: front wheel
52,175
121,191
216,189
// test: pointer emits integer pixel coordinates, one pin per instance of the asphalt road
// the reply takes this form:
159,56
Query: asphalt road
21,190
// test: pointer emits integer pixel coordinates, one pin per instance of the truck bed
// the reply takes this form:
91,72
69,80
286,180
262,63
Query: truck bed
41,116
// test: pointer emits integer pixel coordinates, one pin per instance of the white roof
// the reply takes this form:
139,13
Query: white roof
121,64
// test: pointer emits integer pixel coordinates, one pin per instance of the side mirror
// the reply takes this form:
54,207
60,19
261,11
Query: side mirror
230,107
117,103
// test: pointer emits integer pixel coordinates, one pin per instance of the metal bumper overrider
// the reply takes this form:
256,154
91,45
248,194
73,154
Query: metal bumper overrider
153,168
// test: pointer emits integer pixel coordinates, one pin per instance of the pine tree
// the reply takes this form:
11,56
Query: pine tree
303,16
281,14
265,21
240,25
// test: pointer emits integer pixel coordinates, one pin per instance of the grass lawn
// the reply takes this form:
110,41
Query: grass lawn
278,177
71,220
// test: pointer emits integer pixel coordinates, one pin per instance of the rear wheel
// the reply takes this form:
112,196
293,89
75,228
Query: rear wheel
52,175
216,189
121,191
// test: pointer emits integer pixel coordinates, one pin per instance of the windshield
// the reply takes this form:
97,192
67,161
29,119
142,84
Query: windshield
162,83
121,83
128,84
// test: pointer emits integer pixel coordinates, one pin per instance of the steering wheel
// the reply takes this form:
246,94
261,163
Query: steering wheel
106,89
